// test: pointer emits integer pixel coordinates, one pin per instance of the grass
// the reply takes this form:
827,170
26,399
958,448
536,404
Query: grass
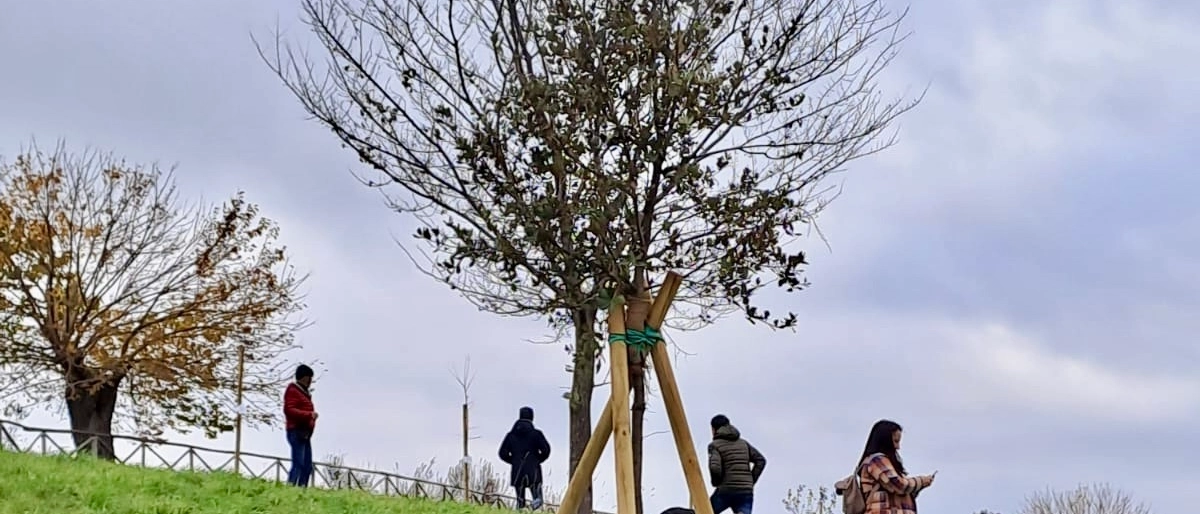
39,484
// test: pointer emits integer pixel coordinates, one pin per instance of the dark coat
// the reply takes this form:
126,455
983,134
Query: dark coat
733,463
525,448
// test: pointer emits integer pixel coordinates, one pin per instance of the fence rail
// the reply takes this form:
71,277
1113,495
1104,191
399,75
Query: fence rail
160,453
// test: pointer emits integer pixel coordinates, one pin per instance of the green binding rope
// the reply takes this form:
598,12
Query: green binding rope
641,340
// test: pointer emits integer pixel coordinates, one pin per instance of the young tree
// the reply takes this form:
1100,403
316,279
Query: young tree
1085,499
127,301
557,152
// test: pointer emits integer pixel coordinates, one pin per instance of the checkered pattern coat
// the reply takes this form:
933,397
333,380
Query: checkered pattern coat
887,491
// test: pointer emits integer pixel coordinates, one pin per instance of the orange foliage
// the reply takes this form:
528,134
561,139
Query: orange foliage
106,280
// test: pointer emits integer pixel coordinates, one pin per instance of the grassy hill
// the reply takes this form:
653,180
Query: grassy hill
37,484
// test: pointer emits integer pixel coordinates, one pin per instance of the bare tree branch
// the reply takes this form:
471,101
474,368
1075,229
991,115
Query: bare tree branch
1085,499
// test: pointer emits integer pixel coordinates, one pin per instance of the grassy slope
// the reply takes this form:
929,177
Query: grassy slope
36,484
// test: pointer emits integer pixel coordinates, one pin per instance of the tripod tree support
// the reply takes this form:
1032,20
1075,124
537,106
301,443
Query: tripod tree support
684,444
673,402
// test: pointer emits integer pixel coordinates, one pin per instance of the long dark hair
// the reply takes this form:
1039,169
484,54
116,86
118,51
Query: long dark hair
880,441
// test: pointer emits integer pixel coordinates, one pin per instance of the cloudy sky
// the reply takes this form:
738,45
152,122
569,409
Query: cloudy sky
1018,265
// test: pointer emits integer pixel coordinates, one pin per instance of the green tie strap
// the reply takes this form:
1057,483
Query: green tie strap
641,340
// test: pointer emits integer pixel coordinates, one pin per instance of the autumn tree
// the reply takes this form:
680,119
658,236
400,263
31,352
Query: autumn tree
124,301
558,152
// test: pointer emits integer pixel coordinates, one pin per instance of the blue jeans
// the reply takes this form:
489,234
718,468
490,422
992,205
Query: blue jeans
741,503
302,458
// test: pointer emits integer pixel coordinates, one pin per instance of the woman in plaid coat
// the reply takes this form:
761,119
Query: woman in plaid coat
886,484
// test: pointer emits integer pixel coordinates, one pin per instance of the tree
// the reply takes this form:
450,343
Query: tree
465,380
558,152
122,300
1085,499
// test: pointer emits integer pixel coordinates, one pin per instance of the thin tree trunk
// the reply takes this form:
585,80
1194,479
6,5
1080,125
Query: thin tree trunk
91,413
635,319
583,381
637,372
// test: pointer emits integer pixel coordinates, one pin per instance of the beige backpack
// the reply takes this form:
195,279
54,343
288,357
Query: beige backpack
854,500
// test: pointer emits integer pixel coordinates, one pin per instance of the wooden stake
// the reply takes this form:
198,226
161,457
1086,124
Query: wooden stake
674,406
582,478
237,432
466,433
619,403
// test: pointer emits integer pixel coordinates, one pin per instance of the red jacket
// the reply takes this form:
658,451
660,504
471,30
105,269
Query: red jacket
298,408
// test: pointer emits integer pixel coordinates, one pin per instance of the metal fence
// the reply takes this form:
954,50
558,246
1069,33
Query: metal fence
160,453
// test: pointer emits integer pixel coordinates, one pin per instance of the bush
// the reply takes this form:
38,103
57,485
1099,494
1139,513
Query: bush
803,500
488,484
1085,499
335,476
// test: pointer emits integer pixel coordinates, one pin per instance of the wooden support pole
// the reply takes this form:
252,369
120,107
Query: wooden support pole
237,422
622,420
582,478
466,460
673,403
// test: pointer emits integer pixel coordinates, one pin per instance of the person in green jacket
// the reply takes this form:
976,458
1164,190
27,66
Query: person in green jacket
734,465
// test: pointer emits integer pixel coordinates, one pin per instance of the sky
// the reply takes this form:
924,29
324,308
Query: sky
1010,282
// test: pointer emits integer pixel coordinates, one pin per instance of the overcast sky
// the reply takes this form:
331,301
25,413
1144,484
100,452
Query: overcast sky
1017,266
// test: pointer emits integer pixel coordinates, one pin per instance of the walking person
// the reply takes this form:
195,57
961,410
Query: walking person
887,486
301,419
525,448
734,465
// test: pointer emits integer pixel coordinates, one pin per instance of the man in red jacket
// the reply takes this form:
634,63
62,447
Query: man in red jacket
301,420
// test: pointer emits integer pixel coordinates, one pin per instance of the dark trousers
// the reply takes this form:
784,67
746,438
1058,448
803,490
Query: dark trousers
302,458
741,503
535,491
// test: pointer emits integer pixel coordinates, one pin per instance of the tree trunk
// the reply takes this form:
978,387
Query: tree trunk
637,378
583,381
91,412
635,319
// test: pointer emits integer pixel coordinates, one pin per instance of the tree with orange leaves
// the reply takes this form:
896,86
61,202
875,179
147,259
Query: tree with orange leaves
123,301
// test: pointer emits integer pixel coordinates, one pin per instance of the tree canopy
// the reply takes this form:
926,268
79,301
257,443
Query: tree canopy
131,303
558,152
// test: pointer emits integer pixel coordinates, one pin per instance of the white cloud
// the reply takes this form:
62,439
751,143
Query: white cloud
1013,370
1027,95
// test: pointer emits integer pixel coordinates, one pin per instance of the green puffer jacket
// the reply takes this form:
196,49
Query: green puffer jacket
733,463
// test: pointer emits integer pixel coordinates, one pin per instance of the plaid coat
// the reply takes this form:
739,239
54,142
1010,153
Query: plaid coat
886,490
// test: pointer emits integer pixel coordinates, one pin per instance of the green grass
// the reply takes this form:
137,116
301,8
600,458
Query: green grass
61,485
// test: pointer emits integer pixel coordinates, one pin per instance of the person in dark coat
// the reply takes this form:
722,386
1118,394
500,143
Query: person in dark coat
734,465
525,448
